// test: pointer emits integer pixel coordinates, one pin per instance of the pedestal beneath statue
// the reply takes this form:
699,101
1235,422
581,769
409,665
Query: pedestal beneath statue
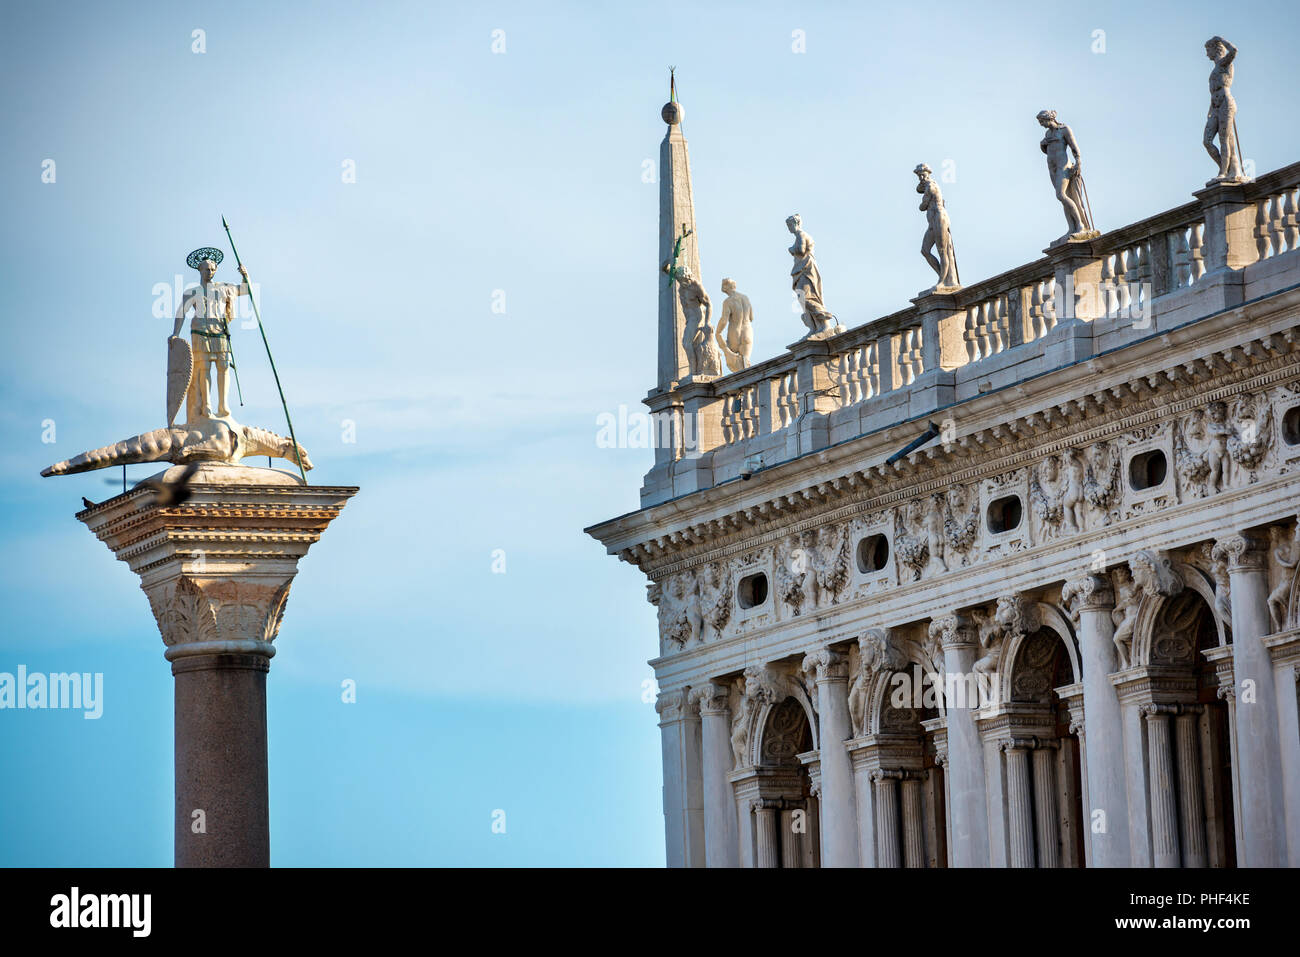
217,570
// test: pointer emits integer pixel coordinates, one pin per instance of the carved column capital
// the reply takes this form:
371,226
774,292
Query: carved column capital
1243,552
673,705
826,665
200,615
954,631
886,774
1018,744
712,698
1091,592
1153,709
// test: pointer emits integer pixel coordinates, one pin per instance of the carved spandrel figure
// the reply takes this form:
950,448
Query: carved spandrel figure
212,305
938,233
735,333
1067,178
806,281
1222,118
702,355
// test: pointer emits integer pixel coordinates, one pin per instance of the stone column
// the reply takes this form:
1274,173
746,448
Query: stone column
1191,806
679,728
769,819
1019,802
217,571
1284,648
913,821
1047,818
839,818
969,837
1164,809
1092,599
721,843
1258,745
888,850
863,766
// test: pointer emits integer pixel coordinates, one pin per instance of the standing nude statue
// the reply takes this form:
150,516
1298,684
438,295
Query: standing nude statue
1218,431
1067,178
1287,556
938,234
697,337
1223,113
213,305
807,282
736,323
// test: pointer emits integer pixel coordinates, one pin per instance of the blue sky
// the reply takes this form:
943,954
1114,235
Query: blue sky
477,172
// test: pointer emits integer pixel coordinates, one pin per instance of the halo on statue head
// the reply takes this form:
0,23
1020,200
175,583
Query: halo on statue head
202,253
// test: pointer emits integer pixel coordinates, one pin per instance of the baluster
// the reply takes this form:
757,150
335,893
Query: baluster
970,332
918,353
982,330
1290,221
873,370
855,376
997,325
841,368
1197,251
1276,220
1049,303
728,431
1036,325
1125,262
1138,275
1182,258
1262,244
751,411
1107,284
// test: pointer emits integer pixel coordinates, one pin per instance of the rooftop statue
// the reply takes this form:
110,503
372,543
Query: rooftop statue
1067,178
1222,118
938,233
807,283
208,434
736,325
702,353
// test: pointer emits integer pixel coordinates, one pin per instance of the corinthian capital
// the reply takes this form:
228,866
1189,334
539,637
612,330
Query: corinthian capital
201,616
954,631
1092,592
1243,552
712,698
672,705
827,665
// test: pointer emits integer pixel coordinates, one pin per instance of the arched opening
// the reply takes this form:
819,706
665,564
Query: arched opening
1188,742
1045,782
786,829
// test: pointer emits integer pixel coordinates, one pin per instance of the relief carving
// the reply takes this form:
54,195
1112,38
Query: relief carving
1286,555
910,541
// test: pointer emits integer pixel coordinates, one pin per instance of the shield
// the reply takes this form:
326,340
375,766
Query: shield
180,370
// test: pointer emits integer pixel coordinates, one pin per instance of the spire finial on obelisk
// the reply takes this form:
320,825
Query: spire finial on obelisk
672,111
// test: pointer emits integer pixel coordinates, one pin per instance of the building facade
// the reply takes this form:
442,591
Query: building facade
1061,630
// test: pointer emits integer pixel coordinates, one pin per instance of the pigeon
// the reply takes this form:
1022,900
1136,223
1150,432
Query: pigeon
176,492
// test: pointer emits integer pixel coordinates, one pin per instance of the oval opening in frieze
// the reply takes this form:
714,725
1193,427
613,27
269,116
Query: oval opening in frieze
1004,514
1291,426
752,590
873,553
1147,470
